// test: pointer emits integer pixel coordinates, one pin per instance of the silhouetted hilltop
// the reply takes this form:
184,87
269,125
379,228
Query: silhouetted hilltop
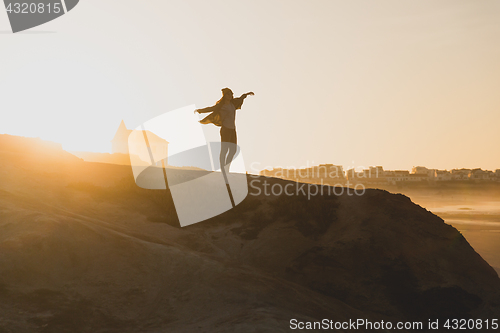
28,149
85,250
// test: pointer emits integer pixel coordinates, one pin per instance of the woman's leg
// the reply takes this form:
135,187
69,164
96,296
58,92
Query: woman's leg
227,151
231,146
224,149
231,150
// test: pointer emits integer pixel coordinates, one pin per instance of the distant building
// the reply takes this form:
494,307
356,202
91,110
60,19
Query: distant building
432,174
377,174
120,143
420,170
442,175
460,174
327,171
376,171
351,174
322,171
374,174
396,176
397,173
419,177
479,174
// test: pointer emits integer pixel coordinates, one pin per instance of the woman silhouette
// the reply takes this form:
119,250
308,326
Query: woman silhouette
224,115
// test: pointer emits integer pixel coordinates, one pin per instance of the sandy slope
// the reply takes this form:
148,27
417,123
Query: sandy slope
82,249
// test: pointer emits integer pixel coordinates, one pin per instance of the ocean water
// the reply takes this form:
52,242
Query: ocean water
479,222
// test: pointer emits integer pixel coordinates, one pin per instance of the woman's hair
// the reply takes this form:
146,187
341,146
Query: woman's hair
225,91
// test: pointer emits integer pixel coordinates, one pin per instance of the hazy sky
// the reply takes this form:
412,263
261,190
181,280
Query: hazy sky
392,83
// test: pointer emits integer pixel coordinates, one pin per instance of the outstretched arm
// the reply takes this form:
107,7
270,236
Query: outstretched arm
206,110
239,101
247,94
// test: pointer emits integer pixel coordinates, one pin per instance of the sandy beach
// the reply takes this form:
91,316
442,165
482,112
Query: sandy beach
477,220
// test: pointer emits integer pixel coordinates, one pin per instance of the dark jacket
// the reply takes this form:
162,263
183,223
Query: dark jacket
214,117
